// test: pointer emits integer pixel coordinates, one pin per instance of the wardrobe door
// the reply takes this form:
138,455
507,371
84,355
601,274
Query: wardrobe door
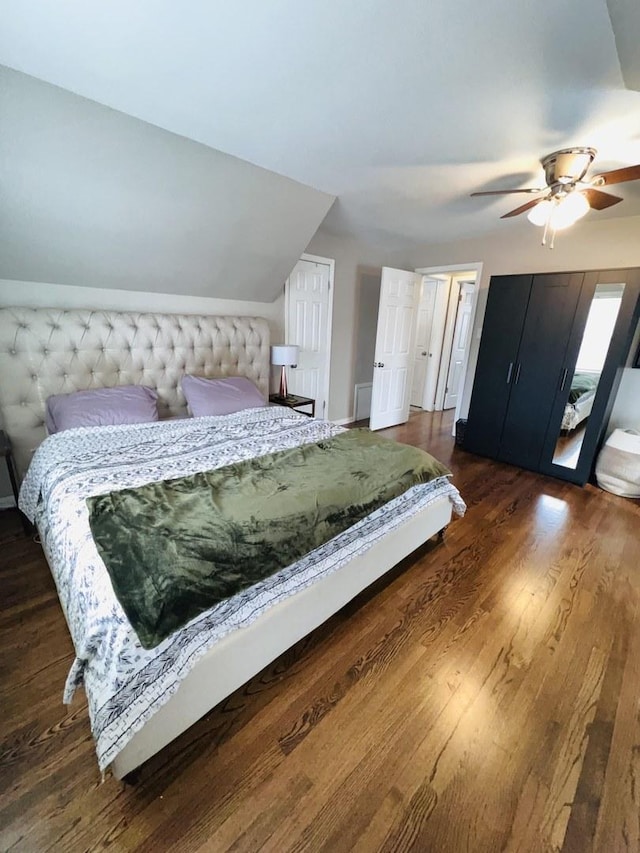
497,357
549,319
599,345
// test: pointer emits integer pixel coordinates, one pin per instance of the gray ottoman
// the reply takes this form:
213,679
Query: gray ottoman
618,465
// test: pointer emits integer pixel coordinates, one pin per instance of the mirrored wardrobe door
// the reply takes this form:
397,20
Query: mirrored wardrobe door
600,338
581,382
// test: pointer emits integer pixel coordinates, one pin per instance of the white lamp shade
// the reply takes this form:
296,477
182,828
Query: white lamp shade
286,354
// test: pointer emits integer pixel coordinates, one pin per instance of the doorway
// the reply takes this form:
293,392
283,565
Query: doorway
450,335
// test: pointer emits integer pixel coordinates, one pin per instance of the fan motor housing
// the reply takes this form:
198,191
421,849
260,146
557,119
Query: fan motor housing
568,165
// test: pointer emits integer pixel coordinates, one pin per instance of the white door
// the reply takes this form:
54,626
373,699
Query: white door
308,301
436,344
393,359
424,324
461,337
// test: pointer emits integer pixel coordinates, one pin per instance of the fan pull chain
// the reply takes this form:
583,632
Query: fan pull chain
544,233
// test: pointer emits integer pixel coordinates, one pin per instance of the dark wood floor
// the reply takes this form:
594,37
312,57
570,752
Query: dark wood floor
485,697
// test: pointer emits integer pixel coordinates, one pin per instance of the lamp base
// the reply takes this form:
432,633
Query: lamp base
283,392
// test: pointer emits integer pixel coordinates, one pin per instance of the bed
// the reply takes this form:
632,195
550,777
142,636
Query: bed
581,397
141,699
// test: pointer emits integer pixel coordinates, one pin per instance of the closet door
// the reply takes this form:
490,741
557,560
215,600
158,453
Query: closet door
547,328
501,331
599,345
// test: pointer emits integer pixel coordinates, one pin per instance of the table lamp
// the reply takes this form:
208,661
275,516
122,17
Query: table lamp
285,355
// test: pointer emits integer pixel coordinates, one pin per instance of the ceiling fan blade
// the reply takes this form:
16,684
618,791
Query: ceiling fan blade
599,200
504,192
619,176
522,208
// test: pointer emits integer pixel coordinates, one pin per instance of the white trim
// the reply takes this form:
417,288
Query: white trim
452,268
7,502
330,262
343,421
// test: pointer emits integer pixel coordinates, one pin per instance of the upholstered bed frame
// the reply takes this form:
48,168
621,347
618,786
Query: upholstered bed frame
46,351
51,351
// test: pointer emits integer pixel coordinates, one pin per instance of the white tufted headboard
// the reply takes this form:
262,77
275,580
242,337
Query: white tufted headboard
46,351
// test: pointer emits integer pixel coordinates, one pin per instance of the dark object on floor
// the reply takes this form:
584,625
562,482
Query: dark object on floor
461,425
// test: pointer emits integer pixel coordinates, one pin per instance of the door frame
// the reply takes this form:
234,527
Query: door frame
330,262
451,269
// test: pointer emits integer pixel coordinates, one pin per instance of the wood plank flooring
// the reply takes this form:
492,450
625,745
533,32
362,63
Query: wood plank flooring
482,697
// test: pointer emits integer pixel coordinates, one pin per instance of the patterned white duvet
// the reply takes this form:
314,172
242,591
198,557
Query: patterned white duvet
126,684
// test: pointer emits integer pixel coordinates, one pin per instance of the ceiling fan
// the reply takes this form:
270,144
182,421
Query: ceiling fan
568,195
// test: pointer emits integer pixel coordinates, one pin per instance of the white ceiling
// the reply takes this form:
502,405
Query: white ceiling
401,108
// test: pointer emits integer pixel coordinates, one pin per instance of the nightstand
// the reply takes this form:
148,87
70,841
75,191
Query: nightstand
292,401
5,450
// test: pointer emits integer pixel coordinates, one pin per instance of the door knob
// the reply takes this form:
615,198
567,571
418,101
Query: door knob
424,352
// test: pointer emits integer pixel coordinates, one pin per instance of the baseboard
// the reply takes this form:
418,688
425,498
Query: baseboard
7,502
342,421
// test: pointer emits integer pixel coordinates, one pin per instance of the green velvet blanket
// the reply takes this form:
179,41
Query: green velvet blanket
581,383
175,548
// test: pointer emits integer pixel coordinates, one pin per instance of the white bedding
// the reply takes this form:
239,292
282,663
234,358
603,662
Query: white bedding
575,413
126,684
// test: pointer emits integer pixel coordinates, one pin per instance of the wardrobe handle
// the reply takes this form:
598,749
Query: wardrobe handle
509,372
515,381
564,378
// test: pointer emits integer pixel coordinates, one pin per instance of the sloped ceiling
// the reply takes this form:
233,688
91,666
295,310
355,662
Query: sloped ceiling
93,197
625,20
400,108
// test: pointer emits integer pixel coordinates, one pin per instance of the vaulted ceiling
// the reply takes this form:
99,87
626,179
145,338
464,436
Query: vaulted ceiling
400,108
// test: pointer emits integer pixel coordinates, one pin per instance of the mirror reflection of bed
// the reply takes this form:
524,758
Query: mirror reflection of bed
583,386
569,445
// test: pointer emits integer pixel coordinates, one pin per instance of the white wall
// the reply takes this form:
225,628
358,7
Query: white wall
366,325
38,295
626,409
591,244
95,198
355,262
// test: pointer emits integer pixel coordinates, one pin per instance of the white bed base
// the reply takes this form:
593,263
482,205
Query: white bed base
47,351
243,653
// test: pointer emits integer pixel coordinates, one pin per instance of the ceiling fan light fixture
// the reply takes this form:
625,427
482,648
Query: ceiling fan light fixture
539,215
567,210
569,195
567,165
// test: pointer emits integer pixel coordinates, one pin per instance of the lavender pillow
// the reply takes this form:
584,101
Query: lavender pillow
220,396
125,404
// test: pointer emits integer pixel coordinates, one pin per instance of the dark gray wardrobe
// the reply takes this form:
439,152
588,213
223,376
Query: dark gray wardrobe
531,338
